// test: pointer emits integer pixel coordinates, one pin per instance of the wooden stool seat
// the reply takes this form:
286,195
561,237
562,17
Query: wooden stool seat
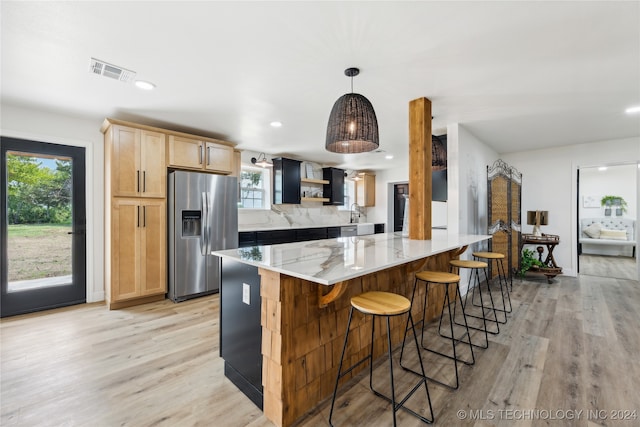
488,255
381,303
437,277
467,263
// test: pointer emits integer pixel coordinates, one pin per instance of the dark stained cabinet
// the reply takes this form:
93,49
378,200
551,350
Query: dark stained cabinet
334,191
240,330
286,181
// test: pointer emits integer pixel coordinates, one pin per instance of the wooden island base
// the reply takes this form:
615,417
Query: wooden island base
302,342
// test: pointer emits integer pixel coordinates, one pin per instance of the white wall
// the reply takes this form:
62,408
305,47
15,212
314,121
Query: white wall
617,180
45,126
549,183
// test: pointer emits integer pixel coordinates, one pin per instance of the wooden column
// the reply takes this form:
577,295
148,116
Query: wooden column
420,169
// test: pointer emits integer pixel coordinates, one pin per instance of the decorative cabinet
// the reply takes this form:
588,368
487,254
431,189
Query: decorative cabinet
138,255
286,181
334,190
139,168
366,190
188,153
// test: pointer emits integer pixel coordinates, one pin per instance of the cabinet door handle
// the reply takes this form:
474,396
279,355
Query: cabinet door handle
208,155
144,181
200,153
138,215
138,181
144,216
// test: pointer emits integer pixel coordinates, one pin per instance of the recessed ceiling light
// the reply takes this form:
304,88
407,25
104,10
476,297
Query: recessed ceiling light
388,157
632,110
602,168
276,124
144,85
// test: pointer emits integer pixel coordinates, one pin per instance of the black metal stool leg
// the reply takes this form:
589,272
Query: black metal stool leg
446,303
400,405
395,405
484,314
506,284
504,309
344,349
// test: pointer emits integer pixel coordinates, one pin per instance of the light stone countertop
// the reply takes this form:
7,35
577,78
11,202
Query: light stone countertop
330,261
243,229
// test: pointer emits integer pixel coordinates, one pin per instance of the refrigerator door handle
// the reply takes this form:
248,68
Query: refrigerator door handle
205,221
209,237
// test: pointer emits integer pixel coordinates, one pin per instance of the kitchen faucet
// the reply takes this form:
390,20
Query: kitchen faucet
352,212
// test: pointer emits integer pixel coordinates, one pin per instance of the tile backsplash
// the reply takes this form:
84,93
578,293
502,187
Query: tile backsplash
307,214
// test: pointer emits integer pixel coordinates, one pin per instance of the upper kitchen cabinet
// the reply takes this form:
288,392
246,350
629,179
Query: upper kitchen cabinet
366,190
190,153
135,162
286,181
334,191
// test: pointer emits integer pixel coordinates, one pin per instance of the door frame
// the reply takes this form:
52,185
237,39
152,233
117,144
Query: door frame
94,206
45,298
575,212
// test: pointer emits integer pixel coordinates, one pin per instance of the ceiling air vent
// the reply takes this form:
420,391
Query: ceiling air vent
112,71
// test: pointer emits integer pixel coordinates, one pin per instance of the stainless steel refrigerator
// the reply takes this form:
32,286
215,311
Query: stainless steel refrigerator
203,217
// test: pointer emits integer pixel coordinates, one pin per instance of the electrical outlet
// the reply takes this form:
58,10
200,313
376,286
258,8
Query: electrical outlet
246,293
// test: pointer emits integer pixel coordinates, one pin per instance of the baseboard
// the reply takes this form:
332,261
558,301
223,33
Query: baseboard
244,385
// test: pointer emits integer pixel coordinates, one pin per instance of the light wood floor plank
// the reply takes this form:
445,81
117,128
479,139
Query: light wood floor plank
569,345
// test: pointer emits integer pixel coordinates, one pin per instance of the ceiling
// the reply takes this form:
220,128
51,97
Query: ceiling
518,75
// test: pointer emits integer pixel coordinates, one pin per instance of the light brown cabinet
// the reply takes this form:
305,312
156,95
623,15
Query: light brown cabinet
366,190
138,253
140,169
199,154
135,213
136,161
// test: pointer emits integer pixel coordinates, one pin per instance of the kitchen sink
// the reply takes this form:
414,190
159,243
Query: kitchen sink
365,228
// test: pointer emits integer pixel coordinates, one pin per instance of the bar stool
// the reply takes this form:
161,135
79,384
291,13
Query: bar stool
441,278
384,304
474,266
502,276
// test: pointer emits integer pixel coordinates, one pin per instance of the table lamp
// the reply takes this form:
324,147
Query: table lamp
537,218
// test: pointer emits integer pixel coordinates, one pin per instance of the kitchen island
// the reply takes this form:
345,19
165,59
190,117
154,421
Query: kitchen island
305,291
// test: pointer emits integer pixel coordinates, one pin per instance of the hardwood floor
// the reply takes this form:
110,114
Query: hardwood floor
620,267
568,346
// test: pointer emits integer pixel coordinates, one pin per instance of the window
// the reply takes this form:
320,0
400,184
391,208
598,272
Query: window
255,188
349,195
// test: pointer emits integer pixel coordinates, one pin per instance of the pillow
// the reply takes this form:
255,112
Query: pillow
613,234
593,230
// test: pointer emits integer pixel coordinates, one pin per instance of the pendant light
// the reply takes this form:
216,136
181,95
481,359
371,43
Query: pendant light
353,127
438,154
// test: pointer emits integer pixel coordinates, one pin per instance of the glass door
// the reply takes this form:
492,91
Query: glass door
43,226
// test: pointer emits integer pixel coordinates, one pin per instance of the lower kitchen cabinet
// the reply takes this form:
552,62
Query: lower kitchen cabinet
138,249
240,329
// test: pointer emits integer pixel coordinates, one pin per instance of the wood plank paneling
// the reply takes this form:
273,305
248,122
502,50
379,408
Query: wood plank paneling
299,372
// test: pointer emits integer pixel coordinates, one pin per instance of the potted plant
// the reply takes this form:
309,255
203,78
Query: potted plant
617,201
529,260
